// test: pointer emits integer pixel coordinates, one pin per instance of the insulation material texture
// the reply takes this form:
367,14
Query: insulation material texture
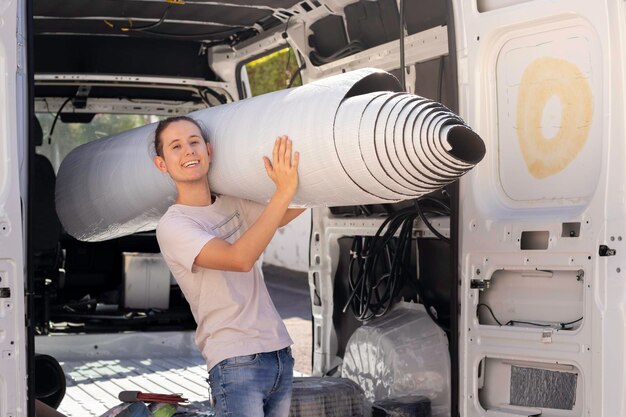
542,388
401,354
326,397
361,141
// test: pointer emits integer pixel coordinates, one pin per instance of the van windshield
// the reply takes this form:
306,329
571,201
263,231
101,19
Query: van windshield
67,136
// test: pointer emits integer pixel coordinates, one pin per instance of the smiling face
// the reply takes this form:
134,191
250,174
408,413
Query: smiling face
185,154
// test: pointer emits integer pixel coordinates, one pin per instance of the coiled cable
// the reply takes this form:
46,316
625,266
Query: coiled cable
380,265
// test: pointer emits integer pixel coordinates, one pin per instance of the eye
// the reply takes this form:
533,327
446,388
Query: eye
175,146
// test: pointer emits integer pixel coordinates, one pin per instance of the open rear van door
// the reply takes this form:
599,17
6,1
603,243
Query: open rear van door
542,225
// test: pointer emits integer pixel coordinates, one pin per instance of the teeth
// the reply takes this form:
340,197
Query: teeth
190,163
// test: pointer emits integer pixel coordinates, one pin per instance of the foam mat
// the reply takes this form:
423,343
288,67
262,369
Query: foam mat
361,141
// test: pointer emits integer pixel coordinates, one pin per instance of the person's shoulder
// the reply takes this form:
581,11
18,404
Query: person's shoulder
251,204
241,201
171,213
223,198
171,220
228,202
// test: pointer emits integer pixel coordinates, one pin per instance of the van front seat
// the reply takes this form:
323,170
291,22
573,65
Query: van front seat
46,228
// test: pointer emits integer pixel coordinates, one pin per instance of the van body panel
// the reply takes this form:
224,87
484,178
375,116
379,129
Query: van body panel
548,76
13,165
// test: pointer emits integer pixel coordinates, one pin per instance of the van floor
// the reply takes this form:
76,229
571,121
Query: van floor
93,386
98,366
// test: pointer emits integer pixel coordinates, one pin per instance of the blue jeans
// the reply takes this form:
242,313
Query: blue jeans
256,385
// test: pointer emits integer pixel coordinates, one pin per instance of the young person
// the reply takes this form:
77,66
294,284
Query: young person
212,245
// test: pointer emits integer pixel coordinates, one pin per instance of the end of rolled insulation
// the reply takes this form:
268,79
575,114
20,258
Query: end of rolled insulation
465,144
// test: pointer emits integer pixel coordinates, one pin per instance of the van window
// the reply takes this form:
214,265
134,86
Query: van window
272,72
67,136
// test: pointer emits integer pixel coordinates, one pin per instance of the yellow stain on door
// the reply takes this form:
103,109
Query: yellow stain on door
543,80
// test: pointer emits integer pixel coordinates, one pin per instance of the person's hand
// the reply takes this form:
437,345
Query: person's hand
283,169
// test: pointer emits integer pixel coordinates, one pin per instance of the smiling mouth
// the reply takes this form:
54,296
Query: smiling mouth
191,163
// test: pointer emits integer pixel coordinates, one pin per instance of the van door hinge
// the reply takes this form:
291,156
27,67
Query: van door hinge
479,284
5,292
606,251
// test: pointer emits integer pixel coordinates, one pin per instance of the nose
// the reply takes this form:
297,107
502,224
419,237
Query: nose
189,150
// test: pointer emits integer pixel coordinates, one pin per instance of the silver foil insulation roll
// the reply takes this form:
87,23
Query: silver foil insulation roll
361,141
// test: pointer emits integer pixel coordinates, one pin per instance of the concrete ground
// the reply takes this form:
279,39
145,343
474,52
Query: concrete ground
290,292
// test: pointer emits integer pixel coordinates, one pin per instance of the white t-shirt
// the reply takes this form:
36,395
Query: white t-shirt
233,310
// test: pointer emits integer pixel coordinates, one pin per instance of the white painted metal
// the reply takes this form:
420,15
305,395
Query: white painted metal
117,346
13,164
137,19
120,80
119,106
228,90
420,47
507,52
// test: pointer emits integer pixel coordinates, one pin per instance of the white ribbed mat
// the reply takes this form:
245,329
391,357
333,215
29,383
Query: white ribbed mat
93,385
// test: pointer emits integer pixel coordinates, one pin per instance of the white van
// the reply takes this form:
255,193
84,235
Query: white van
519,263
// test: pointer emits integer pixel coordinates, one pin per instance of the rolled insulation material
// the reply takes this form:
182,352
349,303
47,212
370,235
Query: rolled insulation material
360,139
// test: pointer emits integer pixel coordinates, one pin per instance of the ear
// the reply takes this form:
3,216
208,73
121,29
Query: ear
159,162
209,150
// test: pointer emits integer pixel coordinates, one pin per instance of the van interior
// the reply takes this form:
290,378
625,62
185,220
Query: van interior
105,66
508,284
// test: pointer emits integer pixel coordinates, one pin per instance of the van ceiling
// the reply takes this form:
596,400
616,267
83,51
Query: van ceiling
176,19
145,37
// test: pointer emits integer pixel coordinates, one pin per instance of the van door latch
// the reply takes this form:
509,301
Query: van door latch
546,336
606,251
5,292
479,284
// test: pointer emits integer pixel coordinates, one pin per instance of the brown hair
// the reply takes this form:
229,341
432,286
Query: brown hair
163,124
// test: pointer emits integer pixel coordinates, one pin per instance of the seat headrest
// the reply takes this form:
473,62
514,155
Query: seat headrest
37,133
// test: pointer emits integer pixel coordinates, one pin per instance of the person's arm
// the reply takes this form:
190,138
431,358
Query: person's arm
241,255
290,215
44,410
